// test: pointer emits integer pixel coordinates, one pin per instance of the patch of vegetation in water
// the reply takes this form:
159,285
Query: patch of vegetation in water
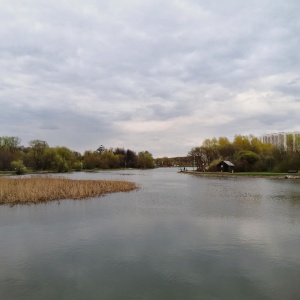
42,189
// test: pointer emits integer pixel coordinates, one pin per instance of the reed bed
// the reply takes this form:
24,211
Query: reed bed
42,189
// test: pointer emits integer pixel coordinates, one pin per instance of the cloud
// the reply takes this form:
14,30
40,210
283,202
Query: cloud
136,72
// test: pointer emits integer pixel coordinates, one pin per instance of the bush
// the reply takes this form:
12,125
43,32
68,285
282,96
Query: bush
77,166
60,165
18,166
213,168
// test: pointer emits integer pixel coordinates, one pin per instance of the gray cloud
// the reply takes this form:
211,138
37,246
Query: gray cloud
147,75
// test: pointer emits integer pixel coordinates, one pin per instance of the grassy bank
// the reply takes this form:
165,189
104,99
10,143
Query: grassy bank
5,173
245,174
42,189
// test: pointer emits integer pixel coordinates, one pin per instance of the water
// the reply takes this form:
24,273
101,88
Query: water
178,237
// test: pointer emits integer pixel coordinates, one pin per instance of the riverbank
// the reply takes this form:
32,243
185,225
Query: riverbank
30,172
245,174
43,189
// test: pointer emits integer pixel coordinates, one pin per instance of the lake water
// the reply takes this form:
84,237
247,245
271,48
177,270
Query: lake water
178,237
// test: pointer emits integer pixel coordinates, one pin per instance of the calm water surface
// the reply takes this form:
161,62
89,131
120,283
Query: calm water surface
178,237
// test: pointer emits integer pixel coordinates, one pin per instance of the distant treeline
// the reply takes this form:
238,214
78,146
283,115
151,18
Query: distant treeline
247,153
39,156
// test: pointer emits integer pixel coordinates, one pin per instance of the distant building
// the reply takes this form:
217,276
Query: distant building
280,139
225,166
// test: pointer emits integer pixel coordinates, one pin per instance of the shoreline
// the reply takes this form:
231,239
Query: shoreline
245,175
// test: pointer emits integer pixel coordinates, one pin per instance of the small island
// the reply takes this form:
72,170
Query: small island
33,190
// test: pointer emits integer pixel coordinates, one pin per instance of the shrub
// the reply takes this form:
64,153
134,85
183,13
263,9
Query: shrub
77,165
18,166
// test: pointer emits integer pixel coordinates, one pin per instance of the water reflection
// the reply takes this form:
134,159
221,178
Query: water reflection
177,237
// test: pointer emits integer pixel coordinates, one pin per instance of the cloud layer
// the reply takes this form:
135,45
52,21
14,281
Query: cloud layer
148,75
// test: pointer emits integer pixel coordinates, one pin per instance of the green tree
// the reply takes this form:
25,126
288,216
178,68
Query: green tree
67,155
225,148
256,145
246,160
110,160
145,160
90,160
164,162
297,143
130,159
241,142
289,158
198,157
101,149
210,150
9,151
59,164
36,153
293,143
9,143
18,166
121,153
77,166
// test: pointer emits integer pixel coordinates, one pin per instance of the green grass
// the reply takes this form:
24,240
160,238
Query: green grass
7,172
262,174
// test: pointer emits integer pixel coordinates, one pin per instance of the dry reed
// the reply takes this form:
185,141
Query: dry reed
42,189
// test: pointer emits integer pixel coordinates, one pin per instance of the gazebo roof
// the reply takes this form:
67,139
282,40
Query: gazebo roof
227,162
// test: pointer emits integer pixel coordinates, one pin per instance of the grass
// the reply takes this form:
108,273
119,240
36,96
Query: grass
265,174
7,173
254,174
42,189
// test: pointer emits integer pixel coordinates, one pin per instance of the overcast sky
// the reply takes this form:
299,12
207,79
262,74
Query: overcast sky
156,75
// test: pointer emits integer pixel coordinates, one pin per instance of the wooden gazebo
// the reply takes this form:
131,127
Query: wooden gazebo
225,166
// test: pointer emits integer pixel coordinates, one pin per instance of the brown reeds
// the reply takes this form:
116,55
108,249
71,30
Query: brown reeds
42,189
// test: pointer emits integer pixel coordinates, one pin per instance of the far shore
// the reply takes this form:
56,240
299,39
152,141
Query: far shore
245,174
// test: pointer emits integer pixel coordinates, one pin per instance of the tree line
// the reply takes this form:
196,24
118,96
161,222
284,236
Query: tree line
247,153
39,156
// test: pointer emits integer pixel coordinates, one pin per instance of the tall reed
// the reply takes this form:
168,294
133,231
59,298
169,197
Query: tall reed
43,189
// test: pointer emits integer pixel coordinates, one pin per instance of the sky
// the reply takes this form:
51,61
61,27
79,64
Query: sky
155,75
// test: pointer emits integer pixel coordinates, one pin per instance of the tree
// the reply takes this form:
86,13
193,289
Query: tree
164,162
9,151
293,143
118,151
101,149
256,145
9,143
67,155
288,158
246,160
18,166
77,166
121,154
145,160
59,164
241,142
110,160
130,159
249,156
210,150
297,143
198,157
5,160
90,160
35,154
225,148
